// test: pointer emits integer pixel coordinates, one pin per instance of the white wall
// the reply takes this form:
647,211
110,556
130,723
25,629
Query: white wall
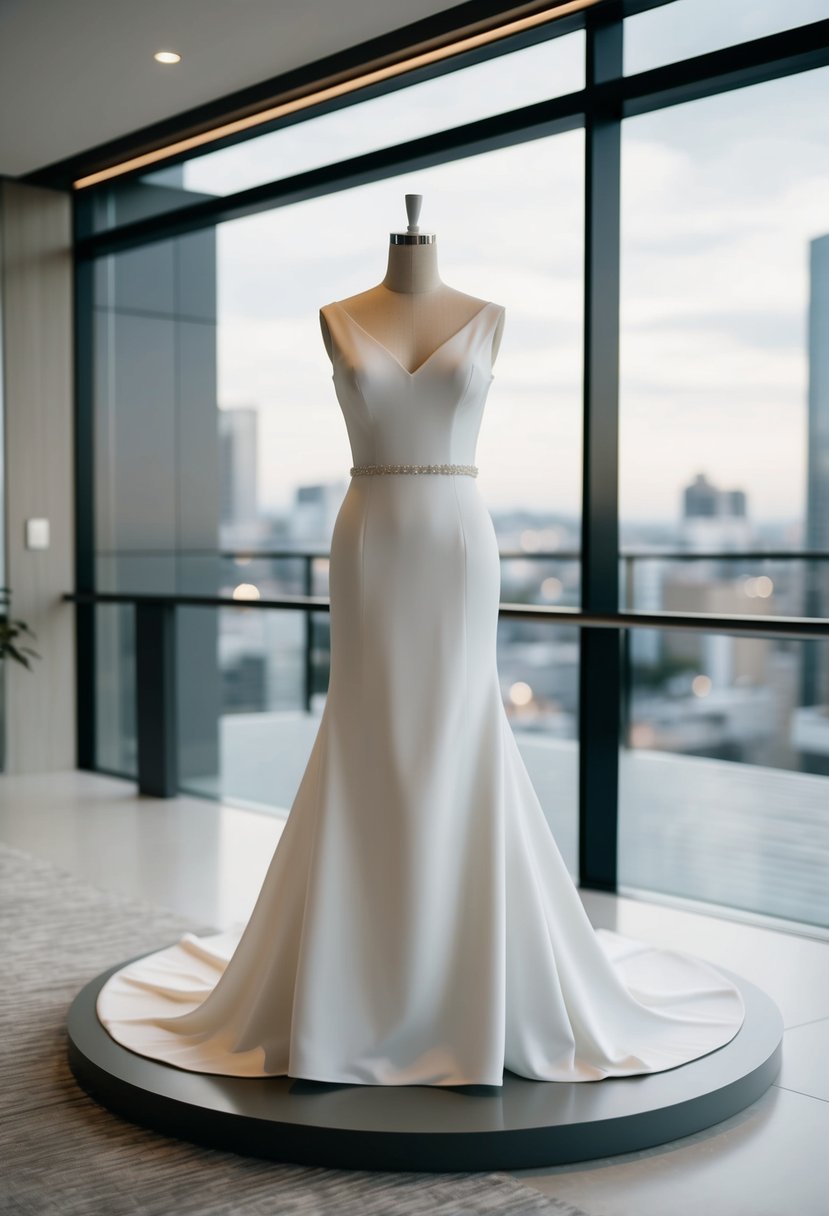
36,316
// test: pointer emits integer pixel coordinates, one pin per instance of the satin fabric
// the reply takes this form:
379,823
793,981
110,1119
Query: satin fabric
417,924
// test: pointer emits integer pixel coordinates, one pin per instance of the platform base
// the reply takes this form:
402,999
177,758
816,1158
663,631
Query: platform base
522,1124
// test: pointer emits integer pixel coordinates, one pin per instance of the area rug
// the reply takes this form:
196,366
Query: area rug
62,1154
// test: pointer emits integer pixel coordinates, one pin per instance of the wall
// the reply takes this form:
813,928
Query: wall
36,319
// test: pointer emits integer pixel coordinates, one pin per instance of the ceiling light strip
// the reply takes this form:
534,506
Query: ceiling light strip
469,43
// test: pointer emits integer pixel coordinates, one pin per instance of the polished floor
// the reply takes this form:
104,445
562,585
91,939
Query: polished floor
207,862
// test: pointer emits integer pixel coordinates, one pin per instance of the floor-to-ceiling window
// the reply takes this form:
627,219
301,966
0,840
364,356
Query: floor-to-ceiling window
724,415
221,457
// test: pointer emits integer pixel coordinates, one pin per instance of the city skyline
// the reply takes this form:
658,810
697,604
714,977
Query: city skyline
709,517
284,510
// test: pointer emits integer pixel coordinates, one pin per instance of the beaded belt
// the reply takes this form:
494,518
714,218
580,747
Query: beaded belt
369,469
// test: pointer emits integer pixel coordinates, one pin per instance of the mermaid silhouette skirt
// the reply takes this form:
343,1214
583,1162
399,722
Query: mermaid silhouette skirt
417,924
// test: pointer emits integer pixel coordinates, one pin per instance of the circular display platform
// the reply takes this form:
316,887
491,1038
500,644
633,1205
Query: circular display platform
520,1124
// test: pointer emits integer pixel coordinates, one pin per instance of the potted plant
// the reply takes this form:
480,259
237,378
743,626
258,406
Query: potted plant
11,630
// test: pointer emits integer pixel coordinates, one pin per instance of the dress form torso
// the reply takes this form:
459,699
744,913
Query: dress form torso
412,312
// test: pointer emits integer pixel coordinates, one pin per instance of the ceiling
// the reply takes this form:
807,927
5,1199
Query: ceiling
77,73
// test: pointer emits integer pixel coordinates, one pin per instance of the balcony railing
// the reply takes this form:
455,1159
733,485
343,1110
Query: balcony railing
156,632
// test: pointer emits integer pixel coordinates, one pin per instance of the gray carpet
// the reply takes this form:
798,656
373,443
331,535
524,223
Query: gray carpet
62,1154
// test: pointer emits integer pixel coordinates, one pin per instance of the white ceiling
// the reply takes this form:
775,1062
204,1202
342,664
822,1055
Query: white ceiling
76,73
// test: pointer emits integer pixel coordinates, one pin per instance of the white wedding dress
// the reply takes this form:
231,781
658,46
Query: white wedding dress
417,924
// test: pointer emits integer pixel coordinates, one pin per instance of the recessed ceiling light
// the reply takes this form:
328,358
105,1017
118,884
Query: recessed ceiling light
167,57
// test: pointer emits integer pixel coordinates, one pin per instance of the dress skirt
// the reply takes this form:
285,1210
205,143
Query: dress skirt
417,924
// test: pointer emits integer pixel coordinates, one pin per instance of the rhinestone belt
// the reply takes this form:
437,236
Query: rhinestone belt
370,469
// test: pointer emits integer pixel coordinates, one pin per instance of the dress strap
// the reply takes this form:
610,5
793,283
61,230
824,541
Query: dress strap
337,328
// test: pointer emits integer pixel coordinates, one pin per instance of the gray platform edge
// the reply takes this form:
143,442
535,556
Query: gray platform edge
132,1086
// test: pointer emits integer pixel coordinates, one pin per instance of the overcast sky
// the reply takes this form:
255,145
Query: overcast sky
720,200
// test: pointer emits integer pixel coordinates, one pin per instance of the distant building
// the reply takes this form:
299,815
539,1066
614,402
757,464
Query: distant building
715,521
238,440
712,518
315,510
724,659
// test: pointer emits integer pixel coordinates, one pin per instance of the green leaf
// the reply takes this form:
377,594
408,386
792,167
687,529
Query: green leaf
21,658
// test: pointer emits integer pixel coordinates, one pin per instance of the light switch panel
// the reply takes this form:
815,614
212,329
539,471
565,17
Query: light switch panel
37,533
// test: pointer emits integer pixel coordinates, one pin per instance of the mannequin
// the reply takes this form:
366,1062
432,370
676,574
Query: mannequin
417,924
412,312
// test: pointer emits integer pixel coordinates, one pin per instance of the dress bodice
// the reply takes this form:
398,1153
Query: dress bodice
431,415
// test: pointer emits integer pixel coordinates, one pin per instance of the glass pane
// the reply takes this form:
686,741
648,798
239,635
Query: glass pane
222,455
742,586
724,393
724,783
538,667
507,82
523,250
254,734
156,437
248,720
692,27
116,742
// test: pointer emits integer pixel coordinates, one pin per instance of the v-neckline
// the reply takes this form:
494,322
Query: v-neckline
428,358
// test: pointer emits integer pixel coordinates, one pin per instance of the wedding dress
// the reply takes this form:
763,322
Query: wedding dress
417,924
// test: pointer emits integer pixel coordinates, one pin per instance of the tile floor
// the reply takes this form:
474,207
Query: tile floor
207,861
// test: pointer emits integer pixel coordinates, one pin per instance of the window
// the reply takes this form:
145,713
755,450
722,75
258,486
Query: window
221,455
723,421
725,255
220,434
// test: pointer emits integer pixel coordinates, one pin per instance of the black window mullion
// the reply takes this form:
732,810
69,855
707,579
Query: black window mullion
600,666
84,456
